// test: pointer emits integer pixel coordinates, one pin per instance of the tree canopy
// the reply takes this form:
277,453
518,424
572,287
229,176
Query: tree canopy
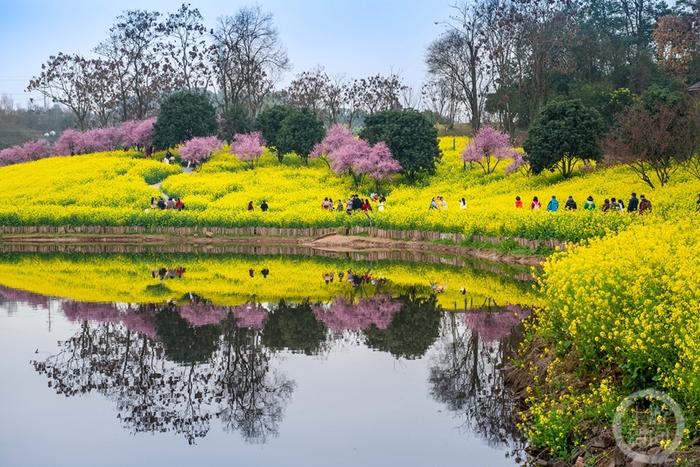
410,136
184,115
564,133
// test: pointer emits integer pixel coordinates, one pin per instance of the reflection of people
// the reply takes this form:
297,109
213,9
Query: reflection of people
265,272
251,272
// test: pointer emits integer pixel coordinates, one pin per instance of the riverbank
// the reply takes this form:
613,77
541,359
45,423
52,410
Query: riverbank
337,240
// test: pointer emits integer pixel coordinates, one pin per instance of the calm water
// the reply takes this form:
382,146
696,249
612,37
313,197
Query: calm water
377,375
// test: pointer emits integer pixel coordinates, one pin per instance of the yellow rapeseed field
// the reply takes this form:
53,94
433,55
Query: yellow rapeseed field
115,189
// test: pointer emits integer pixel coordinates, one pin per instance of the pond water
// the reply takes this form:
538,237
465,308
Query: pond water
256,360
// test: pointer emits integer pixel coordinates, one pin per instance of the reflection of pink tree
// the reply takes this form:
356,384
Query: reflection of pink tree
134,320
14,295
202,314
250,316
495,325
342,315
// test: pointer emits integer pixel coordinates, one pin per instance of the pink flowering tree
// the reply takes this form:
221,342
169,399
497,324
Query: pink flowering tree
359,159
248,147
336,137
70,142
29,151
519,164
488,148
199,149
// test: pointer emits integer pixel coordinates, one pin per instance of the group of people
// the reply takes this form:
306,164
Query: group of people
356,279
439,203
170,203
165,273
263,272
263,206
640,205
355,203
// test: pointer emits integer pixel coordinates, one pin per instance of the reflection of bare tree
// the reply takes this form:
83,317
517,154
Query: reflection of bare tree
466,375
253,395
152,394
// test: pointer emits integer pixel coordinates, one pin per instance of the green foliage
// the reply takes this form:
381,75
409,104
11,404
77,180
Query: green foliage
412,331
182,342
410,136
184,115
299,132
269,122
564,133
235,119
294,327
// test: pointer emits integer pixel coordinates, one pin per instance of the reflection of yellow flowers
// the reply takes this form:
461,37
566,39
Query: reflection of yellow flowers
225,279
112,189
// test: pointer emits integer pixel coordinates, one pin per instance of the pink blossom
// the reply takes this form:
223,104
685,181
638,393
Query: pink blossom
138,321
203,314
342,315
359,158
518,163
248,147
495,325
488,148
199,149
336,137
30,298
70,142
250,316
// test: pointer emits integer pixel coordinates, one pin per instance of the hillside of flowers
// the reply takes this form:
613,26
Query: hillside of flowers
115,188
620,314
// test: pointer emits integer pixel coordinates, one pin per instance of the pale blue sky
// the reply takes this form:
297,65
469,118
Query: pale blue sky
350,37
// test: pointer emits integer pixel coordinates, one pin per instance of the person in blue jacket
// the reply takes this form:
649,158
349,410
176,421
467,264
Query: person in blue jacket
553,204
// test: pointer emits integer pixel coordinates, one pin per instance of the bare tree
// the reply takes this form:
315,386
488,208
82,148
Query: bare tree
655,143
66,79
132,50
459,56
185,47
333,98
248,57
439,96
308,90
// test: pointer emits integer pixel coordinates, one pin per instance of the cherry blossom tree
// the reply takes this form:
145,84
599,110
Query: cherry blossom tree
358,158
70,142
488,148
198,150
336,137
248,147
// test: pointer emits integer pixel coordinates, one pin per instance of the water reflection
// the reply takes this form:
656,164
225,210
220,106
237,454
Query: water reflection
179,367
466,373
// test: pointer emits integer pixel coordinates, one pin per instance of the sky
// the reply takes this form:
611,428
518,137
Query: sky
353,38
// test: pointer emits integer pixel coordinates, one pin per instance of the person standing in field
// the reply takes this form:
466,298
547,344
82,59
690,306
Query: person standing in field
553,205
697,204
535,203
263,206
382,202
433,204
340,205
518,202
606,205
589,204
633,203
462,203
644,205
570,204
250,206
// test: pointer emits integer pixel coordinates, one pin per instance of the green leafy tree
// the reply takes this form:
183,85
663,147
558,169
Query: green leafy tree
294,327
565,133
269,122
412,331
299,132
183,116
234,120
182,342
410,136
